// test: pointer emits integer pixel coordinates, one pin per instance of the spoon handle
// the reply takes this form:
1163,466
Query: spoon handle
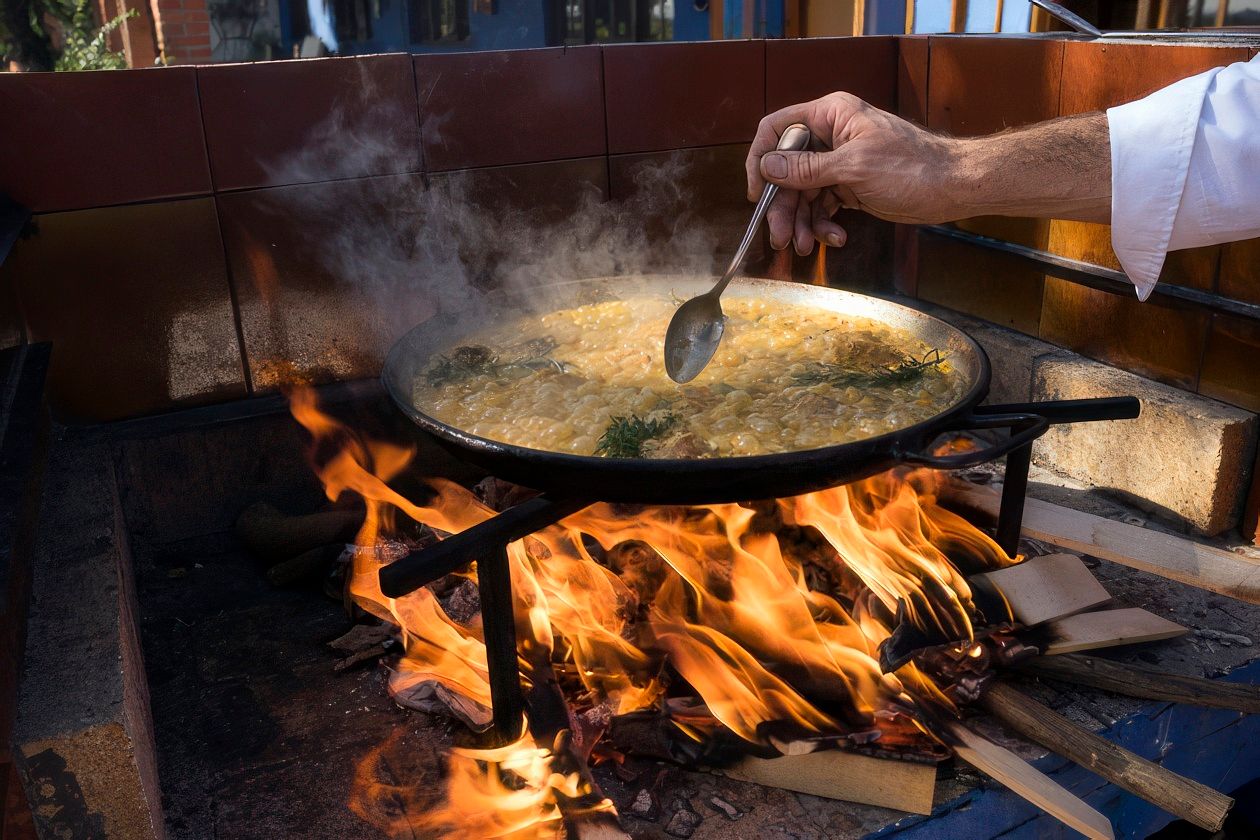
795,138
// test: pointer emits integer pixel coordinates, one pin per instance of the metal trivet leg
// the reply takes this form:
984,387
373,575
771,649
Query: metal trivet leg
494,583
1014,491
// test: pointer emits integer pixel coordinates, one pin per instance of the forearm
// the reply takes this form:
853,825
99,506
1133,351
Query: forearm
1059,169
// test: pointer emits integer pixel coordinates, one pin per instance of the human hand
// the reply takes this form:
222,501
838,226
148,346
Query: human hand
863,158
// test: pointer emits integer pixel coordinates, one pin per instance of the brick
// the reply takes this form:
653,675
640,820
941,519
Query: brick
83,741
1011,353
1187,458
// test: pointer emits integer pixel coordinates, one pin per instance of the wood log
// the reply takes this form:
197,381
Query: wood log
1133,681
1045,588
551,723
1179,796
274,536
1107,628
1167,555
1027,781
835,774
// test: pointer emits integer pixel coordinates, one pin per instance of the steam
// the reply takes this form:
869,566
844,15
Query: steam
321,23
396,248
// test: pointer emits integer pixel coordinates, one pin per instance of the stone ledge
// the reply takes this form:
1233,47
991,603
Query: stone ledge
1187,457
83,739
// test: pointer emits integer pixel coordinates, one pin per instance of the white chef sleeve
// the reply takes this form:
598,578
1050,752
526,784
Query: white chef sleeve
1185,168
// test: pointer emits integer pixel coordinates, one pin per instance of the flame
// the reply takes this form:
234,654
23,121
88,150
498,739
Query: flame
514,792
819,277
619,602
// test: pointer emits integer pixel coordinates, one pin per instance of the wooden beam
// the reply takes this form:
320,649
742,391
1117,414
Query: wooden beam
1179,796
835,774
717,20
997,16
1108,628
1132,681
1045,588
1167,555
958,16
909,17
1027,781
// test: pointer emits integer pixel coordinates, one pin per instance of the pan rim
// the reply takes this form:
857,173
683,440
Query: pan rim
890,443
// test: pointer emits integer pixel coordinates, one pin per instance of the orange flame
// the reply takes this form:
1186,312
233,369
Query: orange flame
704,592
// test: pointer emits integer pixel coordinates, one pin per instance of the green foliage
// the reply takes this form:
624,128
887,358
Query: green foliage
87,50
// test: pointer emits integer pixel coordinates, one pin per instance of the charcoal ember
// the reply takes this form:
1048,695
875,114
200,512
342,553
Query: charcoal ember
589,725
652,735
646,806
462,603
640,567
724,808
499,495
683,823
1008,650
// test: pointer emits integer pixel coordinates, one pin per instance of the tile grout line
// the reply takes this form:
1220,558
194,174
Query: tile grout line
603,104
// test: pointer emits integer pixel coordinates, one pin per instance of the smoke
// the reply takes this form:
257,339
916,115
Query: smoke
394,249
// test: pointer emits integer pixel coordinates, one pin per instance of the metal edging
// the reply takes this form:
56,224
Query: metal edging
1098,277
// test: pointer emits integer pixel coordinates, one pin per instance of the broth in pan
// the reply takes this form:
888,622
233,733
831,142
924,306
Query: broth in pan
591,380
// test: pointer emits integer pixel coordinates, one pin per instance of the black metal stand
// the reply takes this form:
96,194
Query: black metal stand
487,543
494,584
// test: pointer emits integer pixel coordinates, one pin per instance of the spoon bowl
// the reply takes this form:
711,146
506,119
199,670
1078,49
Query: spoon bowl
696,329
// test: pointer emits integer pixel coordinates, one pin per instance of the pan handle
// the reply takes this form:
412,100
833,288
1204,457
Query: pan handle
1030,426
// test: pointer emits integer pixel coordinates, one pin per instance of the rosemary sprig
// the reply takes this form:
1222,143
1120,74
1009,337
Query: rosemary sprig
471,361
908,370
625,436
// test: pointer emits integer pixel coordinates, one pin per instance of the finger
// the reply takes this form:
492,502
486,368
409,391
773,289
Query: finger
802,170
767,138
781,218
824,229
803,232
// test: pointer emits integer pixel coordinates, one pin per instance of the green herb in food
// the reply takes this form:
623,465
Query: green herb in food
625,436
907,371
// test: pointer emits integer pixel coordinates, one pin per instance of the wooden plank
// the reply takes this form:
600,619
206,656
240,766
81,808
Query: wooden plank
1027,781
1108,628
835,774
1047,587
1179,796
1167,555
1132,681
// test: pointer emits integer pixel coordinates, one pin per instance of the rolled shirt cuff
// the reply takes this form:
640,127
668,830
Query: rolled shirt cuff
1151,143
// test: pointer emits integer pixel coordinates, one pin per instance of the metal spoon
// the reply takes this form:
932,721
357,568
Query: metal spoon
696,328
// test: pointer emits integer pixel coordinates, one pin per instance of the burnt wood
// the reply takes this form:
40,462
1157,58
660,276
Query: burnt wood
1179,796
1149,684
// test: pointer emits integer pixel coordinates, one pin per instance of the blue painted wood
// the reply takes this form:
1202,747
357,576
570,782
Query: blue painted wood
1215,747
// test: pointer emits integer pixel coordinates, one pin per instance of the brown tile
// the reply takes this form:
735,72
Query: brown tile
906,259
294,122
988,284
863,264
1033,233
1098,75
1091,243
519,106
912,78
1240,270
135,300
798,70
75,140
328,275
981,85
1156,339
1229,363
687,207
672,96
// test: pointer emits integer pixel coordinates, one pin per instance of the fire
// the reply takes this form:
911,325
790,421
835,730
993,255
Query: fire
705,600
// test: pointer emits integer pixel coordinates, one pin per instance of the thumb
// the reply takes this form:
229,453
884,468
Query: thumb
800,170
